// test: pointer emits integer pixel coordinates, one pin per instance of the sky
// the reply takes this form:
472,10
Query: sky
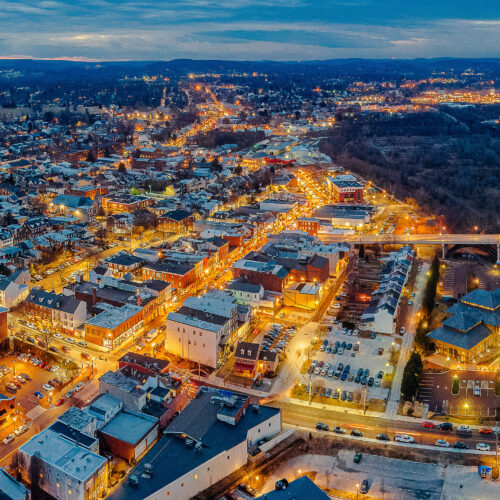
104,30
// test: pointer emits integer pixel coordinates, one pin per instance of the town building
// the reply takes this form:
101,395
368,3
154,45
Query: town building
345,189
205,328
64,465
179,274
381,315
113,325
11,489
55,311
211,438
176,221
297,489
472,327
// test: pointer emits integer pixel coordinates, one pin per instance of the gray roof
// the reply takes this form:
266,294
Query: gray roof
53,301
483,298
244,287
301,488
172,458
466,340
129,426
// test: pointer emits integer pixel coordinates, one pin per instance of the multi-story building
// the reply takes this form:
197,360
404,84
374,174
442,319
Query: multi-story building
211,438
55,310
111,327
179,274
11,293
204,328
176,221
308,224
62,463
124,203
124,263
345,188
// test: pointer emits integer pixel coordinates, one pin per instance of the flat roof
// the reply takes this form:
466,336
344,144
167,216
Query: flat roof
130,426
171,457
113,317
59,452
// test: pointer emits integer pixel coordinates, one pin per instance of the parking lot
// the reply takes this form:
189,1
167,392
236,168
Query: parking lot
346,363
476,395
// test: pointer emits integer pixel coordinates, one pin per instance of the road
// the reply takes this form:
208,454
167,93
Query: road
414,239
306,416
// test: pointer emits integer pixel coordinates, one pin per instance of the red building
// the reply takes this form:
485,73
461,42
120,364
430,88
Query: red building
347,191
176,221
178,274
309,225
3,323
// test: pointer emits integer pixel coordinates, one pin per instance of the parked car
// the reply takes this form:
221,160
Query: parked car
79,387
427,424
442,443
483,447
383,437
38,395
48,387
485,430
404,438
460,445
356,433
357,457
60,401
364,486
446,426
320,426
20,430
9,438
339,430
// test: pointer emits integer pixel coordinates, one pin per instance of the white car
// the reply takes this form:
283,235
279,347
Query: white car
48,387
463,428
404,438
8,439
483,447
79,387
402,330
20,430
58,336
442,443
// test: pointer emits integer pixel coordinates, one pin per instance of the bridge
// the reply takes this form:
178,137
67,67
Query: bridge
444,240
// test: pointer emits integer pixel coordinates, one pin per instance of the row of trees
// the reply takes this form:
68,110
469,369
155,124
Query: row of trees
411,376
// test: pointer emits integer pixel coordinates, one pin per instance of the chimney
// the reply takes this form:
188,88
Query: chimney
94,295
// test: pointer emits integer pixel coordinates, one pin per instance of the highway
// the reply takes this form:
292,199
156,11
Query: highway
306,416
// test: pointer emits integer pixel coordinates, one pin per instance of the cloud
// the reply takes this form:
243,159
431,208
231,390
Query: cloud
248,29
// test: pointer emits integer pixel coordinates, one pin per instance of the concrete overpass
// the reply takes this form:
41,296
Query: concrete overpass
417,239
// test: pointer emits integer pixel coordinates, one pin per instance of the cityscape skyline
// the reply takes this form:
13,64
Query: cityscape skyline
97,30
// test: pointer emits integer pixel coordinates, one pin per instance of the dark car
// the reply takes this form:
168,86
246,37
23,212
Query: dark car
383,437
343,345
366,373
356,433
380,374
373,335
446,426
360,372
357,380
460,445
357,457
30,339
347,368
343,397
281,484
311,370
339,430
363,381
320,426
337,344
364,486
348,347
370,381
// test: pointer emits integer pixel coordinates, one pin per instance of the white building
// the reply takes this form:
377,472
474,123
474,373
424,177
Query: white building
212,438
203,328
247,294
64,464
12,293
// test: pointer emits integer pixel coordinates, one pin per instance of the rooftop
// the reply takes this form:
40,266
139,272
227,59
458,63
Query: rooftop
130,426
64,454
113,317
174,455
299,489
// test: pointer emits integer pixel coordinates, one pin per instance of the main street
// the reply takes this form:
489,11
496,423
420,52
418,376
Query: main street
309,416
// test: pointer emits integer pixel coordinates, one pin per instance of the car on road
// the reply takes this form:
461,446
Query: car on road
357,457
69,339
38,395
9,438
383,437
442,443
320,426
460,445
58,336
20,430
483,447
356,433
69,394
365,486
53,349
427,425
339,430
404,438
485,430
48,387
60,401
446,426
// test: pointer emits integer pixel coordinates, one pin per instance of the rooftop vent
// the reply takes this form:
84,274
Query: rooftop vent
189,443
